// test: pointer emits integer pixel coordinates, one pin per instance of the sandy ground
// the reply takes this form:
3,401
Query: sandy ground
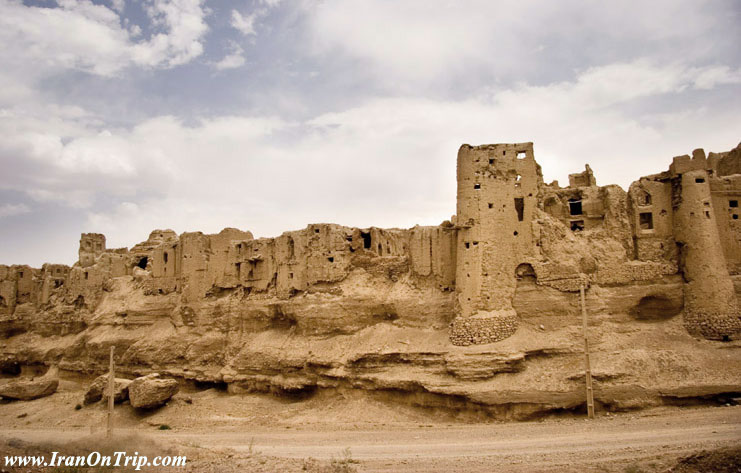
362,435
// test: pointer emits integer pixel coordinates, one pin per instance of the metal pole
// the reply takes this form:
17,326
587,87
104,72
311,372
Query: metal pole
587,367
111,384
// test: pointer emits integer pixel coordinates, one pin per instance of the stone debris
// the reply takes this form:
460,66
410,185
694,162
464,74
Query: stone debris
148,392
99,390
483,328
24,389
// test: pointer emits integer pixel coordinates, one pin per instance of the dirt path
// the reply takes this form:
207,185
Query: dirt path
650,441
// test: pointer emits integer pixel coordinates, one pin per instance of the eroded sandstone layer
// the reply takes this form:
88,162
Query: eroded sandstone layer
480,312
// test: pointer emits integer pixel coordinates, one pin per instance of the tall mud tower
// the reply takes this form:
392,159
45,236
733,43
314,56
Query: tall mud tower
711,308
497,195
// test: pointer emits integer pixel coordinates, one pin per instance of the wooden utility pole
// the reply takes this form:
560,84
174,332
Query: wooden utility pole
111,384
587,367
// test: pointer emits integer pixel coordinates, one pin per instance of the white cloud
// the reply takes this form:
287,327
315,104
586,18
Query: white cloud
118,5
244,24
135,31
85,36
233,60
184,26
407,44
10,210
720,75
605,86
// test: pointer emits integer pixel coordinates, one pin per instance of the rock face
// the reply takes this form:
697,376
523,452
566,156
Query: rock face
479,312
151,391
27,389
99,388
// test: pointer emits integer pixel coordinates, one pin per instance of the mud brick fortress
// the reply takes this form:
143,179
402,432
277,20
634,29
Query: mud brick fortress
481,310
510,227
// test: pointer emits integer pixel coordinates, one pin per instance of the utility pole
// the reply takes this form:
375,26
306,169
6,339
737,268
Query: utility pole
587,367
111,384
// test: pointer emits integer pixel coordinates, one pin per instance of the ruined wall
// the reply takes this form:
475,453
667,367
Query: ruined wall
92,245
498,191
725,194
711,307
511,233
652,218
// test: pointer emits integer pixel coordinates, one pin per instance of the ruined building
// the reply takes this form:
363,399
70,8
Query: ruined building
503,272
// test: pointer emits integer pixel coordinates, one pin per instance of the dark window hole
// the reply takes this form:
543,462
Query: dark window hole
366,240
520,208
575,207
646,220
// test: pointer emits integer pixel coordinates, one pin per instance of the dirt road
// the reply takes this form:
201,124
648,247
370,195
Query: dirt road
649,441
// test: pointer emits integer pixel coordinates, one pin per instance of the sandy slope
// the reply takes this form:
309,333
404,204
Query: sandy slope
259,433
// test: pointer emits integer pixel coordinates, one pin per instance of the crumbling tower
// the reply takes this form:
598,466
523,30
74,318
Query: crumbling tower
497,195
92,245
710,304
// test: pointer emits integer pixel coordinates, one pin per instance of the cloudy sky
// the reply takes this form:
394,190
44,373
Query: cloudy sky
122,116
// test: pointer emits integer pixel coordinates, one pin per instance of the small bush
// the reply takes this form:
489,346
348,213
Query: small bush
344,464
78,407
165,427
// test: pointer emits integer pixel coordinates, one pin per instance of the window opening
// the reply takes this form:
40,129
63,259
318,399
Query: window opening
520,208
575,207
646,220
366,240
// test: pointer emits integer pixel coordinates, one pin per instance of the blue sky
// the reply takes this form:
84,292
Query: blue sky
125,116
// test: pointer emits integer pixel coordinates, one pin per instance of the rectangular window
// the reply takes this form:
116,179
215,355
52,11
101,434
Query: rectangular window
521,154
699,180
520,208
477,186
575,207
733,203
646,220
